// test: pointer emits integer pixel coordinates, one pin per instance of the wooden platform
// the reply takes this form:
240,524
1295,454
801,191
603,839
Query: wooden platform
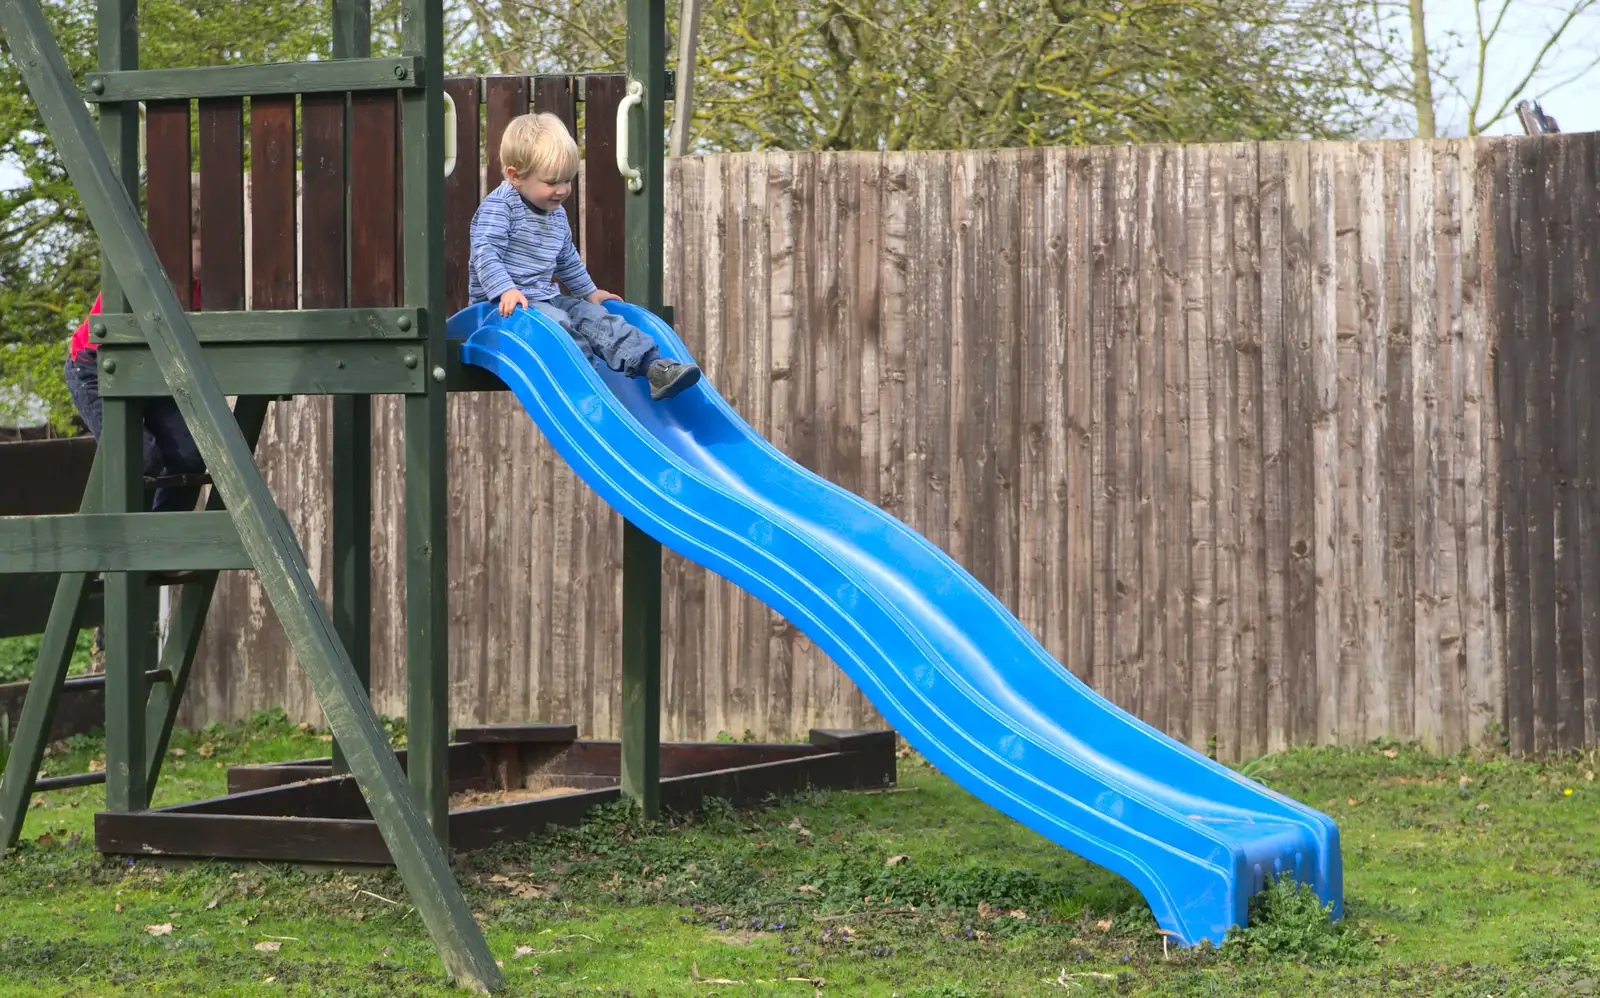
507,783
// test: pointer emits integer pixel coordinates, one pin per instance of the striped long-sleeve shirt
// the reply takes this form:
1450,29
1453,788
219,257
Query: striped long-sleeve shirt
515,245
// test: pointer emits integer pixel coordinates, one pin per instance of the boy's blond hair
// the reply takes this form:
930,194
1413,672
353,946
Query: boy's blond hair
540,146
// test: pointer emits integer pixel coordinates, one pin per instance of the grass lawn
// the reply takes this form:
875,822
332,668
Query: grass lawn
1464,877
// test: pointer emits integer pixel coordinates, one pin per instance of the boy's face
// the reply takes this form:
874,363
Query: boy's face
545,194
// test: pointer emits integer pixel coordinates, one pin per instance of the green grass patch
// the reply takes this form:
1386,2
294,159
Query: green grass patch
1464,876
18,656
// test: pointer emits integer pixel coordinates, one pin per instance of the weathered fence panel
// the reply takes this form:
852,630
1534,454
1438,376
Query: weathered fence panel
1271,443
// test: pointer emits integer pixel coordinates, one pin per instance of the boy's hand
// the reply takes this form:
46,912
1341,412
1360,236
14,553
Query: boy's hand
510,300
600,297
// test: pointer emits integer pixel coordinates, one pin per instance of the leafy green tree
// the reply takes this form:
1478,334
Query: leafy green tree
49,257
924,74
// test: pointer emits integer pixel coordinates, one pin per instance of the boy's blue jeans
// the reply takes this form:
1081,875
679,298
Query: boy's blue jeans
624,348
168,447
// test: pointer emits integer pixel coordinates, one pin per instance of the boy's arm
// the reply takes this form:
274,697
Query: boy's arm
571,271
491,229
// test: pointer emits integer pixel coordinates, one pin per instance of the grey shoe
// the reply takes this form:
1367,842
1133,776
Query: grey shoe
668,377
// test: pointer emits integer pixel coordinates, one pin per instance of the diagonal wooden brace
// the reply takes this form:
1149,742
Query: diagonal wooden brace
279,563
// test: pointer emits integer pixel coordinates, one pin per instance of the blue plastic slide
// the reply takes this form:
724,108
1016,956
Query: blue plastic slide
952,670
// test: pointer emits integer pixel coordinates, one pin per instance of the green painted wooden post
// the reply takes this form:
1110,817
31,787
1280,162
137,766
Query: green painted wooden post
49,672
128,624
188,622
641,555
427,464
127,617
280,565
352,431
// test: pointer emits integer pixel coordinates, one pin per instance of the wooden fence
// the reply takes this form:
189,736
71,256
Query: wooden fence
1272,444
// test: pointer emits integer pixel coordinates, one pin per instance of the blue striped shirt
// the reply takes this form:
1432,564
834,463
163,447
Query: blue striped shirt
517,246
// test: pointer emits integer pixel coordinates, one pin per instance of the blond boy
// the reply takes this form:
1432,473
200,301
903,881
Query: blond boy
522,245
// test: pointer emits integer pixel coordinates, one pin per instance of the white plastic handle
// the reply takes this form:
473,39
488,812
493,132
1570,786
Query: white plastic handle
449,135
635,96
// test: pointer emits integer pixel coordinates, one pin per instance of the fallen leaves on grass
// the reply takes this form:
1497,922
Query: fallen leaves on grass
522,951
1065,980
694,972
164,929
268,946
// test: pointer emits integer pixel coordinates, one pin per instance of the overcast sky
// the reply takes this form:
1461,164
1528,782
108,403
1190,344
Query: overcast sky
1576,107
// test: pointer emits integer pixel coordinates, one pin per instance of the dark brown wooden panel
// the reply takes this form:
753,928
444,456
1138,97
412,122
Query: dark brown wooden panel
1583,179
272,203
291,840
1515,268
504,97
558,95
605,194
1563,229
222,204
322,176
461,191
168,194
374,218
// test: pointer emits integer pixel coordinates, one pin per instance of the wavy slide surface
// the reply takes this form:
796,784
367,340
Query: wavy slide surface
944,661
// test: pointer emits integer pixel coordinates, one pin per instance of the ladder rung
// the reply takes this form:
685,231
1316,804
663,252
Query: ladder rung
177,482
64,782
155,579
95,682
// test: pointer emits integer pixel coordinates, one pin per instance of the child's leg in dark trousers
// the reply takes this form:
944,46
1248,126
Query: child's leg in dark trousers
168,447
619,346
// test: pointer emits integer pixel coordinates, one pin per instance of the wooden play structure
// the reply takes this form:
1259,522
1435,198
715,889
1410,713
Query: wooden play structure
383,256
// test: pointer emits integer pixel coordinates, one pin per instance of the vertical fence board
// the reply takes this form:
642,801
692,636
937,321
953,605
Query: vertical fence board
323,176
1302,473
558,95
272,203
1583,183
504,98
1406,196
222,204
1246,445
374,219
1327,540
1543,182
168,198
1202,404
1222,348
1432,539
462,190
1151,444
1075,577
605,192
1172,497
1271,180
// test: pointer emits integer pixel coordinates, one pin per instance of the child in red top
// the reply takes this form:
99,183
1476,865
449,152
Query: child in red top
168,447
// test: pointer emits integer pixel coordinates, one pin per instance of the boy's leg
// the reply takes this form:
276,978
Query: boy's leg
622,347
83,383
176,454
562,318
